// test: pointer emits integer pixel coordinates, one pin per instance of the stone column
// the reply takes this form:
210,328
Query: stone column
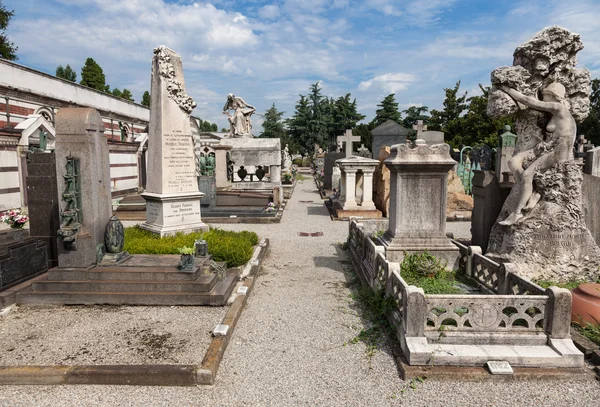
80,134
418,184
221,166
342,197
350,176
367,198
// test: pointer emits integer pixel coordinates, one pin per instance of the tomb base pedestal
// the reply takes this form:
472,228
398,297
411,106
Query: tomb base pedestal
436,244
167,214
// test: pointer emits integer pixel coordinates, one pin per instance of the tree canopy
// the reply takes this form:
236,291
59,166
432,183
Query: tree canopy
92,76
388,110
8,50
448,119
146,99
272,125
590,127
66,73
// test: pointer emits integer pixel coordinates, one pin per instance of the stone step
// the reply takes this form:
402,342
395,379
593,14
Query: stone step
124,273
522,356
204,283
218,296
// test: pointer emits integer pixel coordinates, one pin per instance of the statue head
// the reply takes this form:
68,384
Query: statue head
230,96
556,90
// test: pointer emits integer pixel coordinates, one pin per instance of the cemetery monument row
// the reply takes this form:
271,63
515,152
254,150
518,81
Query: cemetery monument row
541,229
172,195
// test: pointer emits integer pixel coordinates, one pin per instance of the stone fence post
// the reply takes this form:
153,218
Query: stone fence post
558,313
415,312
471,251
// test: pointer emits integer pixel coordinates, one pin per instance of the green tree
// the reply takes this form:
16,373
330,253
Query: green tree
476,127
7,48
66,73
448,119
146,99
214,127
273,125
298,126
317,124
116,92
388,110
344,115
590,127
414,113
127,95
364,132
93,77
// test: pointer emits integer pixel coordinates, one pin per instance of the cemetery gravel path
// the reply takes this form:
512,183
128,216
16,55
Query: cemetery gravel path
290,347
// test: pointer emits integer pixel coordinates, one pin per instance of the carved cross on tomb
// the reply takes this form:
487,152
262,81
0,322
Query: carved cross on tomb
348,138
420,128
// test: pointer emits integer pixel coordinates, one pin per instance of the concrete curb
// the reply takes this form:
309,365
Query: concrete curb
143,375
207,371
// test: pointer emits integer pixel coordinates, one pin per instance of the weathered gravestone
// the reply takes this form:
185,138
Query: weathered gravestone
83,173
328,168
43,200
388,134
541,228
172,195
418,194
592,162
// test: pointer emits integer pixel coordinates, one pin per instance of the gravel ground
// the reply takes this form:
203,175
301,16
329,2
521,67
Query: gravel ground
104,335
291,346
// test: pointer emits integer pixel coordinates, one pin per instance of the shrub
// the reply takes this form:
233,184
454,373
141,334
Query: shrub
234,248
426,271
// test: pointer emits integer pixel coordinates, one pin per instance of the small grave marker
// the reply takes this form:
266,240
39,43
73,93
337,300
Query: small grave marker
499,367
220,330
243,290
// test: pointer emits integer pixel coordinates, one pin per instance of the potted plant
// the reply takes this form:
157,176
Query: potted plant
270,207
187,262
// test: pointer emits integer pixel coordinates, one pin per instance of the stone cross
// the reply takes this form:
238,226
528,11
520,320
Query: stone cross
420,128
348,138
581,140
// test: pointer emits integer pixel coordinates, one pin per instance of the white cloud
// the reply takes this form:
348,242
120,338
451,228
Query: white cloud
390,82
270,12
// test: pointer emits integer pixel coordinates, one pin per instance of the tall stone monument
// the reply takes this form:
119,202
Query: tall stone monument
83,172
172,195
541,229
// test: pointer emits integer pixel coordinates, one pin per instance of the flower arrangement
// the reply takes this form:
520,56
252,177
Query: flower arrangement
288,177
270,207
14,218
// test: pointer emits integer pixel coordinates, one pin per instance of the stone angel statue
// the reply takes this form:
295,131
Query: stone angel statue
239,120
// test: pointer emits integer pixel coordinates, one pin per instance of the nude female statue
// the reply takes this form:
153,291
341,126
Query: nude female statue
240,120
558,147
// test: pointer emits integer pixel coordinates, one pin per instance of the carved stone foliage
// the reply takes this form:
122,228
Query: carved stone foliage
175,88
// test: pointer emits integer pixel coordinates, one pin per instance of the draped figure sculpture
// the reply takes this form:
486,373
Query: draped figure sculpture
558,147
239,120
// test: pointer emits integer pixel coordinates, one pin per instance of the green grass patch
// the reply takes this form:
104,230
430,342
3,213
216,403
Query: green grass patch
590,331
301,177
234,248
569,285
375,307
426,271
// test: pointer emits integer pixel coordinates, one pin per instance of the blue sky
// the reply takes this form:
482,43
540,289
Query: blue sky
271,51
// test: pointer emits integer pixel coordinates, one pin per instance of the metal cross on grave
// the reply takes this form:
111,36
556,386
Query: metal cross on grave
348,138
420,128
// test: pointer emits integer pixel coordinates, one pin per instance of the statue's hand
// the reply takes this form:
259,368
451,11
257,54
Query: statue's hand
506,89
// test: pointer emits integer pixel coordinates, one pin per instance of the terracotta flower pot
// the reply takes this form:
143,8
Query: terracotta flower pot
586,304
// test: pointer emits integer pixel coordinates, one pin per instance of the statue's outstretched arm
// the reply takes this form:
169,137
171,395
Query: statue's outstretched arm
244,102
528,101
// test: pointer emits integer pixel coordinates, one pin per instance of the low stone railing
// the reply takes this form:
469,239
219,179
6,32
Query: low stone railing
512,310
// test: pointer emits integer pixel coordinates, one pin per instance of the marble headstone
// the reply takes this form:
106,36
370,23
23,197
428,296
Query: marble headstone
172,195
